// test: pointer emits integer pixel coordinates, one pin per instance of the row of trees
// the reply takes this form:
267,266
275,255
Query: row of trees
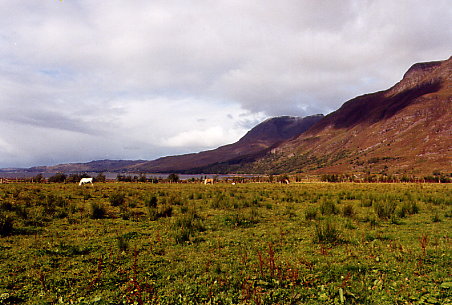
71,178
436,177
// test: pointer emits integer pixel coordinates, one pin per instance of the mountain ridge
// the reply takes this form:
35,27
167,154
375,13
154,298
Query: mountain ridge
405,129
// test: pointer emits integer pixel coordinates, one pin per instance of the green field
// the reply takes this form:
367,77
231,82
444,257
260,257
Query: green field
256,243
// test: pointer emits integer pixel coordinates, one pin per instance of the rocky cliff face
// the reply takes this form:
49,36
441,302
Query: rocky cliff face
405,129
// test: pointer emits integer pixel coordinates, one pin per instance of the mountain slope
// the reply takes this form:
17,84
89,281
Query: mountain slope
252,145
92,166
405,129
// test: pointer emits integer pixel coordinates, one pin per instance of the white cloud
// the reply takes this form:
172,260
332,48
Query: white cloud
210,137
117,77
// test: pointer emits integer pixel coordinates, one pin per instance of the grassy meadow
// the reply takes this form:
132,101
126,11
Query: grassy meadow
255,243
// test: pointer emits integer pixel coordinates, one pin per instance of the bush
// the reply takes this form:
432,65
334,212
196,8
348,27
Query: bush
310,213
58,178
53,200
151,202
98,211
6,224
348,211
409,208
326,233
117,199
384,209
122,243
155,213
174,178
328,207
186,226
125,213
436,218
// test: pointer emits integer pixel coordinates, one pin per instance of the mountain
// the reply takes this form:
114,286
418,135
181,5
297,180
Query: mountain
251,146
406,129
92,166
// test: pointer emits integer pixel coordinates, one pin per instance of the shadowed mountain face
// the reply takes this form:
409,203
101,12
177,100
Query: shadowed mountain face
406,129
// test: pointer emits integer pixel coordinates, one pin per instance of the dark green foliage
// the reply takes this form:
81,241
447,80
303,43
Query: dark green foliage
100,178
385,209
122,243
55,201
155,213
75,178
328,207
57,178
97,211
6,224
408,208
151,202
436,218
348,211
331,178
117,199
327,232
186,226
38,178
173,178
310,213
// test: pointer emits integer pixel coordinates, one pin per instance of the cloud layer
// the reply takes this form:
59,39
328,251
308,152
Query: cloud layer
83,80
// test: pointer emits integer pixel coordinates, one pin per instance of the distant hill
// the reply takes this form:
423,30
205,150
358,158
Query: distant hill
93,166
406,129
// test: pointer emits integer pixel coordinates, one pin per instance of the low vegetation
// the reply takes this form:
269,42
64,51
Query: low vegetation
255,243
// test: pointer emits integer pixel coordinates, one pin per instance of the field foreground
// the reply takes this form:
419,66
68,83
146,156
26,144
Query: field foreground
307,243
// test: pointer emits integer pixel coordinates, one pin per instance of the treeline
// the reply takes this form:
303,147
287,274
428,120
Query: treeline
434,178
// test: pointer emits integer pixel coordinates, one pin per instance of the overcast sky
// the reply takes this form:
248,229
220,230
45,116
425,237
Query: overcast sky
84,80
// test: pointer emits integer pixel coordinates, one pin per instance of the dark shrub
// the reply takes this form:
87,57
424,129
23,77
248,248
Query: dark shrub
117,199
6,224
122,243
348,211
98,211
58,178
151,202
436,218
409,208
162,211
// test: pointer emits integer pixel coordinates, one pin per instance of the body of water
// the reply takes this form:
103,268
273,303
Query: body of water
112,175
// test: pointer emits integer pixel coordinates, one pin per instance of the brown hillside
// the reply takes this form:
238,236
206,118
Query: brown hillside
405,129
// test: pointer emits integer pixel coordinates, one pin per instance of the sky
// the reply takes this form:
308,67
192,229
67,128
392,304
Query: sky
84,80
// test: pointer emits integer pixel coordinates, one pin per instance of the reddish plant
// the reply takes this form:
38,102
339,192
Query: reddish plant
96,279
424,242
